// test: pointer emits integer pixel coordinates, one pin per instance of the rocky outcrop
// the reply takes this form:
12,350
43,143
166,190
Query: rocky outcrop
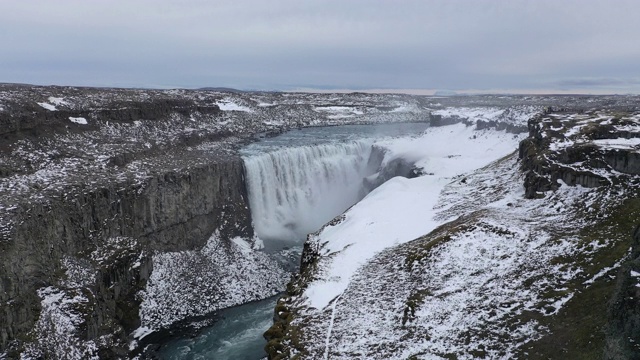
542,175
570,149
438,120
498,125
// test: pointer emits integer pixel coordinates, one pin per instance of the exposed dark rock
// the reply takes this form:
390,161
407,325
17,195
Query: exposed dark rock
498,125
438,120
623,337
542,175
554,153
396,167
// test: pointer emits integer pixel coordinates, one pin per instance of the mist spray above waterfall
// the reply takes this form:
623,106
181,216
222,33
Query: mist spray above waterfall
294,191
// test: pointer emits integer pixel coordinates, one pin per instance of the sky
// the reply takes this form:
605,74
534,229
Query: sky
420,46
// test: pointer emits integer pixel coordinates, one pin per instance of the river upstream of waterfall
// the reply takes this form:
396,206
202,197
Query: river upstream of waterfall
296,181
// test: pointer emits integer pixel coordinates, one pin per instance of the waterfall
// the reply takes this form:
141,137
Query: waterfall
294,191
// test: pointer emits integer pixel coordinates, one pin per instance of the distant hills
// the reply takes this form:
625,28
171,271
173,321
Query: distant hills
222,89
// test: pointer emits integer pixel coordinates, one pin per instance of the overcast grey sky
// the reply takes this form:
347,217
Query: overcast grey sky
483,45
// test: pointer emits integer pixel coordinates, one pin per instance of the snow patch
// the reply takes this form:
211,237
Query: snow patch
48,106
243,245
78,120
141,332
229,105
57,101
620,143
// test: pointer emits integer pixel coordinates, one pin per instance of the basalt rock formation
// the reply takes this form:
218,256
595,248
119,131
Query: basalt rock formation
623,333
568,147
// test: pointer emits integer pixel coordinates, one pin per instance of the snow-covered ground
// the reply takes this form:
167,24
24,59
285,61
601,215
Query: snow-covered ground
48,106
513,115
486,266
592,128
456,291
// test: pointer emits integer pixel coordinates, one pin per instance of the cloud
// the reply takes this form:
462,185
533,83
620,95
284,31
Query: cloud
452,44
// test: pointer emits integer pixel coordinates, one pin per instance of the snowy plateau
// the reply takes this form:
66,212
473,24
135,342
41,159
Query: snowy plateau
506,230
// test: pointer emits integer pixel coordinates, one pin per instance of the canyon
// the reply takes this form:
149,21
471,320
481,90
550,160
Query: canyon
126,212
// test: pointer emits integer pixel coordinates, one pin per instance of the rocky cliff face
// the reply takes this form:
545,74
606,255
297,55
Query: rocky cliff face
590,149
623,331
107,235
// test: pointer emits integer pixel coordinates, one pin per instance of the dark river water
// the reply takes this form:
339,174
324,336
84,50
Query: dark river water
236,335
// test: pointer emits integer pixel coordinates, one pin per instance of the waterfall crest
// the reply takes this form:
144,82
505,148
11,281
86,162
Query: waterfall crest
294,191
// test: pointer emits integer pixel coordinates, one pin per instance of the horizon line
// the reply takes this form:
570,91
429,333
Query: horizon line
373,90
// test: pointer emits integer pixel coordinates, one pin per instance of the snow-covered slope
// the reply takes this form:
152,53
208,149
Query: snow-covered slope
401,209
458,263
